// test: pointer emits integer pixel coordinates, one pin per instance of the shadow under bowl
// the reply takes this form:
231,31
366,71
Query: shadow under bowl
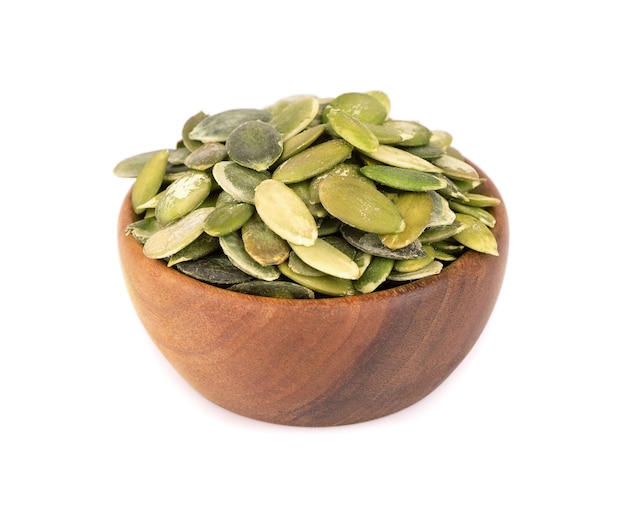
318,362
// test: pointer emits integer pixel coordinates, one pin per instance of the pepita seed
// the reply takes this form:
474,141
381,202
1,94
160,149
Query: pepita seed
363,107
442,214
432,269
149,180
295,116
328,259
274,289
403,179
481,214
326,285
254,144
239,181
375,274
476,235
371,243
415,264
439,233
455,168
416,209
313,161
262,244
142,229
215,269
412,133
189,125
297,265
481,200
217,128
397,157
301,141
182,196
285,213
359,205
227,218
177,235
352,130
206,156
200,247
233,247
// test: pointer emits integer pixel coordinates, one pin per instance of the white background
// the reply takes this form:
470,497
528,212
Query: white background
93,418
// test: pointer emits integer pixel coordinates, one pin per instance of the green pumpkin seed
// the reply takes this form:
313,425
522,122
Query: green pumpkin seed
482,215
383,98
300,267
182,196
397,157
371,243
313,161
476,235
227,218
432,269
328,226
375,274
177,157
384,134
440,139
254,144
403,179
285,213
239,181
363,107
189,125
455,168
215,269
416,209
441,214
206,156
295,116
415,264
439,233
262,244
481,200
233,247
427,152
412,132
363,260
355,203
274,289
131,167
444,256
342,169
352,130
177,235
149,180
143,229
200,247
217,128
326,285
328,259
301,141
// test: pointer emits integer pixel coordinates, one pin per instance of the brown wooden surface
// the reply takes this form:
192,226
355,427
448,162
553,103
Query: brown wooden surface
315,362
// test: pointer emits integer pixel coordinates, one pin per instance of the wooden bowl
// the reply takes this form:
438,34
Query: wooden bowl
319,362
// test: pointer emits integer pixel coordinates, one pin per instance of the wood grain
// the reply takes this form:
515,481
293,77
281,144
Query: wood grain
317,362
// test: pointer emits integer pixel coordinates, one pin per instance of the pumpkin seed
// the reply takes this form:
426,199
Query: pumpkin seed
215,269
239,181
300,267
254,144
200,247
440,139
427,152
455,168
295,116
233,247
371,243
189,125
182,196
217,128
359,205
441,214
313,161
397,157
412,133
433,268
383,98
342,169
375,274
131,167
206,156
416,209
481,200
328,259
476,235
177,157
444,256
415,264
149,180
285,213
384,134
362,259
301,141
403,179
274,289
439,233
173,237
262,244
481,214
326,285
142,229
227,218
352,130
363,107
328,226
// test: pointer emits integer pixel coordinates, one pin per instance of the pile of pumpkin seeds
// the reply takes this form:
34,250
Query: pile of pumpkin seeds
308,198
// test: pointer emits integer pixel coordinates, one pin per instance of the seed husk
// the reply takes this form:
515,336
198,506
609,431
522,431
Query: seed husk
328,259
375,274
313,161
217,128
227,218
262,244
352,130
416,209
326,285
182,196
254,144
177,235
233,247
149,180
403,179
285,213
239,181
476,235
274,289
359,205
206,156
215,269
